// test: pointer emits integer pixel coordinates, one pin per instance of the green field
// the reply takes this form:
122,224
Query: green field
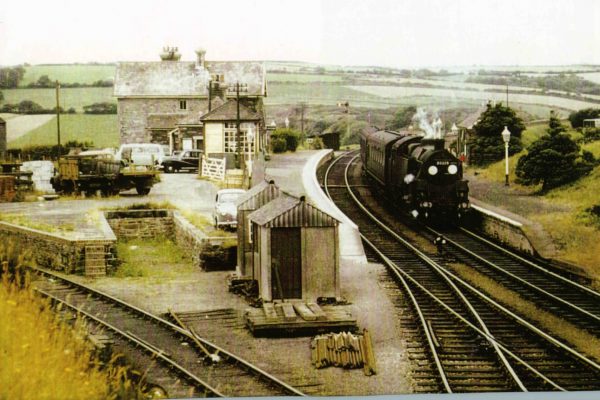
73,73
75,97
302,78
102,130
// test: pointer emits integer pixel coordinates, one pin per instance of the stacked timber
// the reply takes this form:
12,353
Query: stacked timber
344,350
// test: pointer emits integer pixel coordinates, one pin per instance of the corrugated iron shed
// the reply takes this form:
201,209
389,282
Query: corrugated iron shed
288,212
258,196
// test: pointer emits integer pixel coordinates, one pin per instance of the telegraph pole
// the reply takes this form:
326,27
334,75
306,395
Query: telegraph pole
238,136
58,118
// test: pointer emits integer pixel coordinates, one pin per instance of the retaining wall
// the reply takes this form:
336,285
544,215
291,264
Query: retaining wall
503,229
133,224
194,240
90,257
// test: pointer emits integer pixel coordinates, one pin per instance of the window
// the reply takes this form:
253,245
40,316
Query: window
183,104
230,132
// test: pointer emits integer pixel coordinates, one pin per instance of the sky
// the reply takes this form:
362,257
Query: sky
393,33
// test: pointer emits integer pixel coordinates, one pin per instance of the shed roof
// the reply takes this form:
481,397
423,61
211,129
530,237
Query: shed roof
185,78
228,112
472,119
258,196
288,212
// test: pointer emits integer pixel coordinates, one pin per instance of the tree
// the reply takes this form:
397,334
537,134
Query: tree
401,119
486,145
554,159
576,118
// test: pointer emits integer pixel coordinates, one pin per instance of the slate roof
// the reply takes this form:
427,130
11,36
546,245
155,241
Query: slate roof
228,112
185,78
289,211
472,119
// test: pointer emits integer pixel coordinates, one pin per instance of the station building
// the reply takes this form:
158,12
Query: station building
191,104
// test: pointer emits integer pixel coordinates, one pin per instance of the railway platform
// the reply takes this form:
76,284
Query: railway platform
296,174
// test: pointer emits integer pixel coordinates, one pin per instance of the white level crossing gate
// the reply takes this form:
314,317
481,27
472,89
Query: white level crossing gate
213,168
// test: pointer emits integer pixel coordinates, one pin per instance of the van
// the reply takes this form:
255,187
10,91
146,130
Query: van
141,153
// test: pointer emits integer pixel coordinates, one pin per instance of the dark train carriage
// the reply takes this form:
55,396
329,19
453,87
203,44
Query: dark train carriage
419,175
375,152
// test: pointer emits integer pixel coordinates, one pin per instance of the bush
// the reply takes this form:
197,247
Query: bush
591,135
100,108
218,257
290,136
44,152
317,144
554,159
278,145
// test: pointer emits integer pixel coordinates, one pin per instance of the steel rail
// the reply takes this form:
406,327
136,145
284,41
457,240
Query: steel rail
414,301
252,368
522,321
532,264
132,338
515,277
431,263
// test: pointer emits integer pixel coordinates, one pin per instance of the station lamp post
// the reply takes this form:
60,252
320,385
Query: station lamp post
506,138
249,141
454,132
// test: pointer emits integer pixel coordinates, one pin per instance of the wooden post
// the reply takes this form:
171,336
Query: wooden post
58,118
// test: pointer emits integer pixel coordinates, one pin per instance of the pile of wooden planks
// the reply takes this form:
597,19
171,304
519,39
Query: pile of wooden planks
344,350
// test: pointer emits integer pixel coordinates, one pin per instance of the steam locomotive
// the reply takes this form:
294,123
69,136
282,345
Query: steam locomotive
417,174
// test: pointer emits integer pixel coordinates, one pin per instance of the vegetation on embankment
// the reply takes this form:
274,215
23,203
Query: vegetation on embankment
565,213
41,356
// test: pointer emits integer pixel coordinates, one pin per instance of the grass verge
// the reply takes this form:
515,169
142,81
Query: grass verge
152,258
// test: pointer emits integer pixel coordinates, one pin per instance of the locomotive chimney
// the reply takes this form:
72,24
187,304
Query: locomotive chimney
438,144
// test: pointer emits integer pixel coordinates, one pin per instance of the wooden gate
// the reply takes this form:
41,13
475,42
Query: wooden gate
286,263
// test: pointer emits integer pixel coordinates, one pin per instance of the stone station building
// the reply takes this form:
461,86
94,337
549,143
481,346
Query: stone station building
192,104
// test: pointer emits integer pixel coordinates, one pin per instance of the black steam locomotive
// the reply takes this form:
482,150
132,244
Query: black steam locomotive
417,174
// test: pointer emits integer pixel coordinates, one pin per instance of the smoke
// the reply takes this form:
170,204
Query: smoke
433,129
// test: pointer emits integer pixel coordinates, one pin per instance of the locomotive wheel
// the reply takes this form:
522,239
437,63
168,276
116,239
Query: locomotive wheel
142,190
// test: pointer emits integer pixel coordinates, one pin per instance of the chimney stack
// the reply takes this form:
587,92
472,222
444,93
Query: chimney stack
170,54
200,57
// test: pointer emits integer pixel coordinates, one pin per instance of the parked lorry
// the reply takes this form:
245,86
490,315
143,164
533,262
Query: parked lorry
92,171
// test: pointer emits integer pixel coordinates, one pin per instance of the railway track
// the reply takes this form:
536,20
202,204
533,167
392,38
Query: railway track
468,341
208,369
549,290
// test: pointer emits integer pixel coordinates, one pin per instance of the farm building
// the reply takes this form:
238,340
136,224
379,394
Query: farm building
163,101
591,123
295,251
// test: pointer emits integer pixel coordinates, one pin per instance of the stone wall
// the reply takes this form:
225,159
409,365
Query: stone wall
61,254
134,224
133,114
194,240
503,229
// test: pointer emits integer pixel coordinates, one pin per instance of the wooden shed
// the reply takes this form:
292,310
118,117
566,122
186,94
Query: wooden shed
252,200
295,251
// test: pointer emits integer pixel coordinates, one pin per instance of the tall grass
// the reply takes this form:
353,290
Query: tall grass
42,357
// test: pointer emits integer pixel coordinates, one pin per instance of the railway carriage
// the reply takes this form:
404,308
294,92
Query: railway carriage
417,174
